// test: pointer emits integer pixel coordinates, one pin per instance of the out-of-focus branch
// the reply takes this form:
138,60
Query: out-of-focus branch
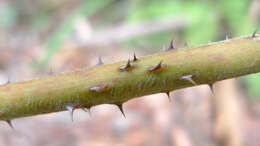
127,31
228,112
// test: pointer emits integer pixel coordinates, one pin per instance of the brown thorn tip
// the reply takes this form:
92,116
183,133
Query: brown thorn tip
84,109
120,106
171,47
87,110
211,88
186,45
168,94
135,58
127,66
71,110
128,63
100,62
254,34
156,67
10,124
188,78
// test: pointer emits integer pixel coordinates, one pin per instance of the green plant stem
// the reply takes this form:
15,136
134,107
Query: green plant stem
107,84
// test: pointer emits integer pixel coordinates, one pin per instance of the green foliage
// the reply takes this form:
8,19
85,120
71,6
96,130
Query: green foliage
200,17
253,82
235,14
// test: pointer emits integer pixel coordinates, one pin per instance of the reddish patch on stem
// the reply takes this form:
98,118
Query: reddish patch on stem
83,73
217,57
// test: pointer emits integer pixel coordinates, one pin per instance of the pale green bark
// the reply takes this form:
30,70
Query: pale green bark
107,84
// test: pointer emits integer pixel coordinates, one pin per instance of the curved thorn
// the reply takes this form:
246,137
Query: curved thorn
127,66
120,106
254,34
87,110
168,94
156,67
186,45
192,81
211,88
171,47
100,62
71,110
10,124
128,63
188,78
135,58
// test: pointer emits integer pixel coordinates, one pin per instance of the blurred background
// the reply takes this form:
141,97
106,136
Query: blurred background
39,37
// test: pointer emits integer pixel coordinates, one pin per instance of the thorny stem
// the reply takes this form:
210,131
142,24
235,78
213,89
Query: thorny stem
108,84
